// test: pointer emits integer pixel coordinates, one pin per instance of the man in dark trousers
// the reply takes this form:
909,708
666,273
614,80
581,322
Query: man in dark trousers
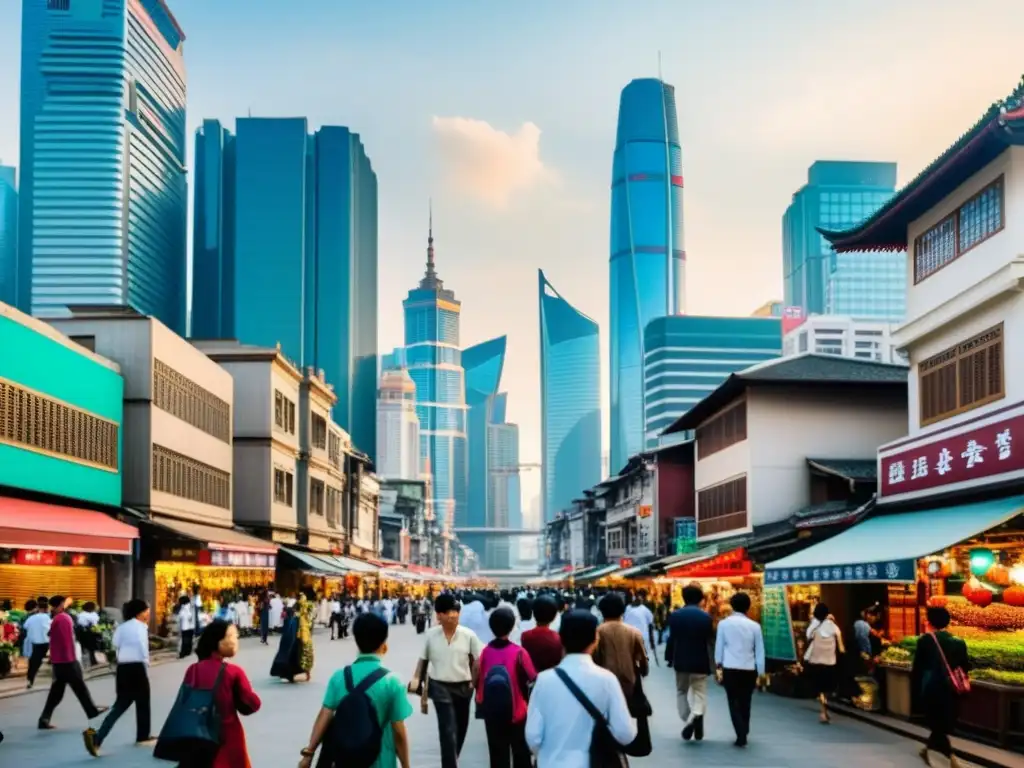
739,656
689,651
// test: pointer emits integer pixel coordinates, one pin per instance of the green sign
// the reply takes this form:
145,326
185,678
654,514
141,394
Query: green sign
777,625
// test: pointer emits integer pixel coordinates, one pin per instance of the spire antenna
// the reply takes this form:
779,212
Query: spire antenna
659,66
430,240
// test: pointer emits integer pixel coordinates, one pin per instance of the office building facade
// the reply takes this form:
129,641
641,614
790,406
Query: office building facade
570,398
689,356
843,337
103,178
869,286
505,495
285,245
647,262
398,427
8,235
433,358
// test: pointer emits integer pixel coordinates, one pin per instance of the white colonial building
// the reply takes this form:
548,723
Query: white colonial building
398,427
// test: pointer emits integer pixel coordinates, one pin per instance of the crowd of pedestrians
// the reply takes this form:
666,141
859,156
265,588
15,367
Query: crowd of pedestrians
557,679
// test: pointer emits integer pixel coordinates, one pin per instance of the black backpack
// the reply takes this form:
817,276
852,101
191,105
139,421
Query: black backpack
497,695
356,733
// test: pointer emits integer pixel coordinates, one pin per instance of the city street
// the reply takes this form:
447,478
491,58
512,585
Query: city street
785,733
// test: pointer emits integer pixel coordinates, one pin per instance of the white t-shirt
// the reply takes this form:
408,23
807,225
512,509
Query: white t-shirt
450,662
87,620
640,617
186,618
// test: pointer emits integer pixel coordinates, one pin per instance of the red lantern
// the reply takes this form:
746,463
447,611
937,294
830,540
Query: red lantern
980,597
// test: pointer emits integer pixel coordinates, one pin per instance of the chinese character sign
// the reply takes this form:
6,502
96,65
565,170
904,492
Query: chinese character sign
972,454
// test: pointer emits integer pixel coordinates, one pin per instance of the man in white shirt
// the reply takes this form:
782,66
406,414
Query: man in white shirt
476,618
739,657
450,656
558,728
131,641
639,617
335,616
276,612
37,637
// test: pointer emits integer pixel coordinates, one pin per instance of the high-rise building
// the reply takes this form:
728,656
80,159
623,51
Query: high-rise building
434,360
398,428
505,495
8,235
570,401
647,268
839,195
285,250
843,337
103,179
688,357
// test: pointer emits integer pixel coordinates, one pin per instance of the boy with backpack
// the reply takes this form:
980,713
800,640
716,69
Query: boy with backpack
362,721
505,676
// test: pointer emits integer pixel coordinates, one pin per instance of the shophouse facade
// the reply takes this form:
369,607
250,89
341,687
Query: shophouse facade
61,463
178,458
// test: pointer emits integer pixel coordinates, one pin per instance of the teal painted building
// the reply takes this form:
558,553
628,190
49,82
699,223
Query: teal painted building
60,414
687,357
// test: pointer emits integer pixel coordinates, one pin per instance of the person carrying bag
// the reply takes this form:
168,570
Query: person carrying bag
192,729
605,751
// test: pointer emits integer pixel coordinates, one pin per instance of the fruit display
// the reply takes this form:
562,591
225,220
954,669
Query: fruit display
1014,596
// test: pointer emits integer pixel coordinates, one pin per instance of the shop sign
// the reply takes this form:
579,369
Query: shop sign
967,454
626,562
890,571
729,564
228,559
777,625
35,557
644,510
180,554
685,535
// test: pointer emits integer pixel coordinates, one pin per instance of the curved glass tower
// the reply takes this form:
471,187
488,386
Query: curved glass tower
570,400
647,257
434,362
103,188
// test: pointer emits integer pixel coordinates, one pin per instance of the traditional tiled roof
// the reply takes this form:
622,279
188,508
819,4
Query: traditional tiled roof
806,370
1001,126
857,470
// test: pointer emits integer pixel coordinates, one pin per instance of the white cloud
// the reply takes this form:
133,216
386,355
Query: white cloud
488,164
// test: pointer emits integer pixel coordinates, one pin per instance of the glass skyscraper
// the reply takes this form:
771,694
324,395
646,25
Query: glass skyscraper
867,286
570,400
8,235
103,180
285,250
647,257
688,357
433,358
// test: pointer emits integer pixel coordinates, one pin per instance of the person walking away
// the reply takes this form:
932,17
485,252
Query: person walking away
386,694
475,616
505,674
276,613
234,696
824,644
524,607
543,644
264,616
131,642
739,657
661,614
447,662
84,625
939,679
639,616
559,730
287,661
335,618
67,671
37,638
620,650
689,651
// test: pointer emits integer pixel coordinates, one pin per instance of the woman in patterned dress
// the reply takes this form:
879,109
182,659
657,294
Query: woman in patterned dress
305,611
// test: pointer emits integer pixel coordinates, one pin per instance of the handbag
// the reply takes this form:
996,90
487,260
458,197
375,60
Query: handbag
957,677
605,751
192,729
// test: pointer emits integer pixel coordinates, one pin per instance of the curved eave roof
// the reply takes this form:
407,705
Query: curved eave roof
1000,127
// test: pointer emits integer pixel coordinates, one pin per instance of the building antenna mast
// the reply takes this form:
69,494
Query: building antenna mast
659,65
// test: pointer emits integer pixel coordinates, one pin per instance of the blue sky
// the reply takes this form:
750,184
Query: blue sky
505,114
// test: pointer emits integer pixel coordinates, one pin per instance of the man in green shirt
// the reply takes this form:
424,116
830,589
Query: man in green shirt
387,695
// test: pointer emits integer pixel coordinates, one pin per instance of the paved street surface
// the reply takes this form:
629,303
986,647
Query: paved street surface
785,733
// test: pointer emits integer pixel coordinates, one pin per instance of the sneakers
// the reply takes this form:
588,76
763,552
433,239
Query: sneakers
91,745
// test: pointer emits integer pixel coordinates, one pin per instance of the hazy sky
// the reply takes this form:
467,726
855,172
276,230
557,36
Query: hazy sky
505,114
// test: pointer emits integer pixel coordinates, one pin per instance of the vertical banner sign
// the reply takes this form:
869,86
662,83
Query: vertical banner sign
777,625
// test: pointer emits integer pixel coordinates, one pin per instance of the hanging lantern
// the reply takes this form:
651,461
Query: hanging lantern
981,561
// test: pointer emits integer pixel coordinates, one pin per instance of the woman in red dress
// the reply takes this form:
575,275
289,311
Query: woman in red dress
234,696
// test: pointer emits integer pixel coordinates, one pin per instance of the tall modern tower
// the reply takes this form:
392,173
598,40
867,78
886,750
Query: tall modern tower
398,428
8,235
103,179
505,496
285,250
570,398
434,360
483,365
866,286
647,256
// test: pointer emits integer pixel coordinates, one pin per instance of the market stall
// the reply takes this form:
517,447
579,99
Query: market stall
299,571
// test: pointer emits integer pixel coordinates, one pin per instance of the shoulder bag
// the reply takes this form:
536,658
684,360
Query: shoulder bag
192,729
605,751
959,679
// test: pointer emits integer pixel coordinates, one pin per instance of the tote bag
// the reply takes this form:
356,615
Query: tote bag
192,728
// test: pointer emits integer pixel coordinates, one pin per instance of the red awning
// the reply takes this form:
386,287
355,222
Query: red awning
216,538
34,525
